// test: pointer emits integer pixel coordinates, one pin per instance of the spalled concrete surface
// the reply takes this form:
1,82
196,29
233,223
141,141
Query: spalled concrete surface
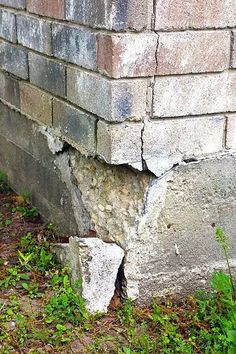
96,263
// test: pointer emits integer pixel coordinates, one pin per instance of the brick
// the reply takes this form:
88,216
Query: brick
34,33
76,126
193,52
14,60
169,142
76,45
8,26
179,14
195,94
118,15
231,131
120,143
127,55
9,89
52,8
36,103
17,4
233,56
47,74
110,99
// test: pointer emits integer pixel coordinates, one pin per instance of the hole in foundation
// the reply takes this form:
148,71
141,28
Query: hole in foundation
120,293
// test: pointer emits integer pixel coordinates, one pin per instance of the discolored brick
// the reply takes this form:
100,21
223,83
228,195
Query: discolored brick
8,25
9,89
193,52
14,59
34,33
36,103
78,127
52,8
127,55
179,14
47,74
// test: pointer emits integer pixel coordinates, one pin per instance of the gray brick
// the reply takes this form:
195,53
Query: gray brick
8,26
75,45
17,4
14,60
9,89
110,99
34,33
117,15
75,125
47,74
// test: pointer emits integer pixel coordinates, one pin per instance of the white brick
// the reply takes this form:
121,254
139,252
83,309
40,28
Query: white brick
195,94
120,143
231,131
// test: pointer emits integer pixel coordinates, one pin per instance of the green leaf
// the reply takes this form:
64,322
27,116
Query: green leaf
60,327
221,283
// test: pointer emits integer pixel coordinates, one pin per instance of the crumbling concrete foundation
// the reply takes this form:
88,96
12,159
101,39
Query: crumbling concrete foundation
119,117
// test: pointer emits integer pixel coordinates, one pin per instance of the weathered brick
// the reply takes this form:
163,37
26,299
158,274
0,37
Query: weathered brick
17,4
9,89
76,45
47,74
170,141
76,126
36,103
117,15
193,52
50,8
127,55
195,94
112,100
8,25
14,60
34,33
179,14
120,143
233,56
231,131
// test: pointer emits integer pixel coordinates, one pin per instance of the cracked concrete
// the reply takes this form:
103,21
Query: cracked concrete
161,228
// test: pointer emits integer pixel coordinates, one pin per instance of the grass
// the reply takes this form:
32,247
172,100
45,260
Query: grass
40,312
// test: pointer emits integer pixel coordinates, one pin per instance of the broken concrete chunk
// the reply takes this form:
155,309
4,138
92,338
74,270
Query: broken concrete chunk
96,263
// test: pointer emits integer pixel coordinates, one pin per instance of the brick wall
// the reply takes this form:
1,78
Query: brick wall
132,82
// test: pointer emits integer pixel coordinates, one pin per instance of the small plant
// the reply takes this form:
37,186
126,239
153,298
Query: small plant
223,242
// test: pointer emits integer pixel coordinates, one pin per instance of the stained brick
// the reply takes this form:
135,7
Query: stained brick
118,15
112,100
78,127
8,25
193,52
179,14
50,8
34,33
233,56
9,89
47,74
14,60
36,103
76,45
127,55
194,94
17,4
